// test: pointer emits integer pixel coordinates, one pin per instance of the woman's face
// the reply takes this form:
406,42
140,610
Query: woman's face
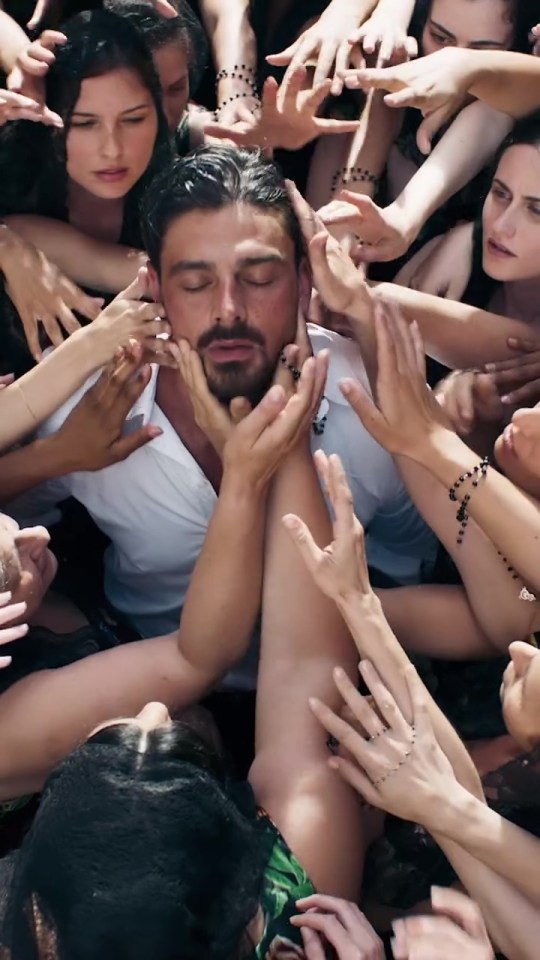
520,694
471,24
511,217
28,565
172,68
112,134
517,450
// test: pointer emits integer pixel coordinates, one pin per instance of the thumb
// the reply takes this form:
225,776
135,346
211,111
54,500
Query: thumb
124,447
239,409
138,288
429,127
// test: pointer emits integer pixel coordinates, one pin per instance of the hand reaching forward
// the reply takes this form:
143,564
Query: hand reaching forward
42,8
406,416
456,931
130,316
330,921
398,766
41,293
28,75
96,433
287,117
8,613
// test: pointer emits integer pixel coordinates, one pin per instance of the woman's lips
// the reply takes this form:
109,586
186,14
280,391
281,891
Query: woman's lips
113,175
498,250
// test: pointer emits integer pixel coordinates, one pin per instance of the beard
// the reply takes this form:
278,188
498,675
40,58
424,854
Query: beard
234,379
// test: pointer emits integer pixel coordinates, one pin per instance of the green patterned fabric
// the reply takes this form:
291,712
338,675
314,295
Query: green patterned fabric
285,882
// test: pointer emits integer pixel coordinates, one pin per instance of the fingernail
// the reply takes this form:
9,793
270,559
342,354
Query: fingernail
290,521
155,432
345,386
506,399
489,367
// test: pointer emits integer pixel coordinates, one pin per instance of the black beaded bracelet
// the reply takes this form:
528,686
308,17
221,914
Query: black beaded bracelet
462,515
353,175
236,96
243,73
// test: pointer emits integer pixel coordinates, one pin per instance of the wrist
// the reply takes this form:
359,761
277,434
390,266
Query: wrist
55,457
246,493
453,813
356,601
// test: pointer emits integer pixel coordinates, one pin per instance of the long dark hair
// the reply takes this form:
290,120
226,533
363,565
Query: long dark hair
140,849
481,287
33,175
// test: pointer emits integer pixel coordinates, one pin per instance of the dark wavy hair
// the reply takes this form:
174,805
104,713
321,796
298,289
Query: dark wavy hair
33,175
210,178
481,287
157,31
140,849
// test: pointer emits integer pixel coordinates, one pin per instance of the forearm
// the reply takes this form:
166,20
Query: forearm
368,149
507,516
25,404
397,11
376,642
13,40
464,150
503,847
456,334
224,595
359,10
27,467
506,81
95,264
231,34
513,922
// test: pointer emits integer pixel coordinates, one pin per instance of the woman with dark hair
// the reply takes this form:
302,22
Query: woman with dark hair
92,172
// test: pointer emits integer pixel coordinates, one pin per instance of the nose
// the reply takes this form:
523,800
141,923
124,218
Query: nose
505,224
522,653
153,716
230,306
111,144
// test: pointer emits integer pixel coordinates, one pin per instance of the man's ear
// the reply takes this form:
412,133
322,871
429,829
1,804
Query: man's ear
154,283
305,284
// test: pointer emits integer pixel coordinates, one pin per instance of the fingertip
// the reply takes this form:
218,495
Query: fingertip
346,386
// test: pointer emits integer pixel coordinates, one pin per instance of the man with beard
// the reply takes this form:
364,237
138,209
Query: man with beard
226,260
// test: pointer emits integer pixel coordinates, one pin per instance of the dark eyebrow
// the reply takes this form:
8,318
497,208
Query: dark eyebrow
182,266
501,183
81,113
439,26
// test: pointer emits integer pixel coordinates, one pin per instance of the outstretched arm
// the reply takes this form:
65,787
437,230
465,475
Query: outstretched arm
303,638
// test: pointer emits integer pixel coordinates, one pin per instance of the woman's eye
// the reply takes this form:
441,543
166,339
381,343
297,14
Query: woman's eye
440,39
84,123
134,119
535,211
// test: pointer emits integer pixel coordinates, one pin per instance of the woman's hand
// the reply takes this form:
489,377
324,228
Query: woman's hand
8,613
388,39
327,41
42,7
130,316
287,117
28,75
385,232
41,293
331,922
456,931
407,415
469,396
96,433
340,570
534,37
15,106
399,766
337,280
437,85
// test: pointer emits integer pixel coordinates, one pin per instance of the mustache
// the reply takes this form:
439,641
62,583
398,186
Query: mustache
239,331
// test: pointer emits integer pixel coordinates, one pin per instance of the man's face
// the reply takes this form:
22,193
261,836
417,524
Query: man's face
231,288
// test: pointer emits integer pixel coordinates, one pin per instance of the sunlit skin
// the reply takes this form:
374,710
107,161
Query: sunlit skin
520,694
172,67
111,136
231,287
511,217
470,24
28,561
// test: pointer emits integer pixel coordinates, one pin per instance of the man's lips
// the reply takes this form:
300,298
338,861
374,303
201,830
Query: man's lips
498,249
227,351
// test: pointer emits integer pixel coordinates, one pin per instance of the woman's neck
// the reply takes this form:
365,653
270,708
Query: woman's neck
522,299
93,215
